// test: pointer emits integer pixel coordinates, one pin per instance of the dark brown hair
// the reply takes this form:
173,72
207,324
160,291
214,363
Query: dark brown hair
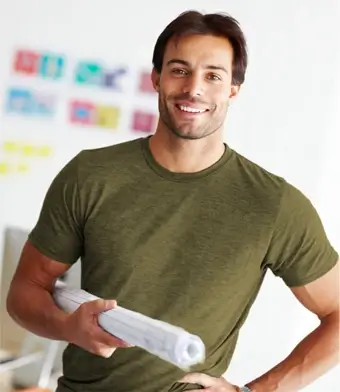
219,24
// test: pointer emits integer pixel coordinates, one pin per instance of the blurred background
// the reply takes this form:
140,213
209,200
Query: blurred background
76,74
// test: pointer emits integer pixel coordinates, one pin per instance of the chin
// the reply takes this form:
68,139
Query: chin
187,135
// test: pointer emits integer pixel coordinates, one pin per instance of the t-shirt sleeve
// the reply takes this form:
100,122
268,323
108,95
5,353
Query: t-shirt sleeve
58,233
299,250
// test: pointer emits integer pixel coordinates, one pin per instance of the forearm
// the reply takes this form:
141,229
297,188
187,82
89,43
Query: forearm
313,357
33,308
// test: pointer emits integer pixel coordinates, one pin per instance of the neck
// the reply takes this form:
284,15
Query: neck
183,155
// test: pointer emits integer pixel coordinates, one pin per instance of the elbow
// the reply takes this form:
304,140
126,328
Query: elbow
10,303
12,300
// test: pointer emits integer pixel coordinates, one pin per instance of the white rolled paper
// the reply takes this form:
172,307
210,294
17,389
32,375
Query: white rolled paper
170,343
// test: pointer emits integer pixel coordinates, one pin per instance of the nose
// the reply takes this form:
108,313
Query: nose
193,86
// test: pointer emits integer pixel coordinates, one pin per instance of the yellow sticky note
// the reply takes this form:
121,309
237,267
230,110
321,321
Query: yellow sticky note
28,149
4,168
10,146
107,116
44,151
22,167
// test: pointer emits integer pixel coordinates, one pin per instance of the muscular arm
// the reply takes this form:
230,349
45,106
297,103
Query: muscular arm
320,350
29,301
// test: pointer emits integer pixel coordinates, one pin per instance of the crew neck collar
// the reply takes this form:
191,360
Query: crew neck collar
178,176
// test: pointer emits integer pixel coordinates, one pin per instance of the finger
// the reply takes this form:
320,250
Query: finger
202,389
100,305
198,378
199,390
109,340
106,352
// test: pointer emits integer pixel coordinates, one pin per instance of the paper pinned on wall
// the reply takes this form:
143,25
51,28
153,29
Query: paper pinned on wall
26,149
16,156
4,168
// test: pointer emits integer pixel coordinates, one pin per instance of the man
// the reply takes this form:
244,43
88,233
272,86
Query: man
180,227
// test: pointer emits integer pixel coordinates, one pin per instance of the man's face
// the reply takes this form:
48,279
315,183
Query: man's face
195,85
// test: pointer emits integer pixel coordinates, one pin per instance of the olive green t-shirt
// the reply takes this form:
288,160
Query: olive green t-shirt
190,249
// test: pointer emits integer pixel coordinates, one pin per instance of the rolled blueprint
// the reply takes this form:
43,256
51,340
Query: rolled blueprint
170,343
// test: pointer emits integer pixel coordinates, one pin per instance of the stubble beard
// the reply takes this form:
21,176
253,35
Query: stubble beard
197,133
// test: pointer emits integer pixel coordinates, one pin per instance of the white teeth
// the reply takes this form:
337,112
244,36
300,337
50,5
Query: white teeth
191,110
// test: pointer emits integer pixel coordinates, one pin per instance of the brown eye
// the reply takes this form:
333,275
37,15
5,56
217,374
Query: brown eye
214,77
178,71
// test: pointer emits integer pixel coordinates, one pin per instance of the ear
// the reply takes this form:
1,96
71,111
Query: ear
155,76
234,91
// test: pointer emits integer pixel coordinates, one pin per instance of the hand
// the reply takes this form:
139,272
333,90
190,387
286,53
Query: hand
211,384
84,331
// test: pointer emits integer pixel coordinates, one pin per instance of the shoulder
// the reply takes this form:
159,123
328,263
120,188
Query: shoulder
260,184
273,192
111,154
109,159
269,188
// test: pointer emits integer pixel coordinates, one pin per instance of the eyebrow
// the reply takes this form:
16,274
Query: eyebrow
187,64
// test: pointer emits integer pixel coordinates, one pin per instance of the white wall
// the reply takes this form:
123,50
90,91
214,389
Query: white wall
285,119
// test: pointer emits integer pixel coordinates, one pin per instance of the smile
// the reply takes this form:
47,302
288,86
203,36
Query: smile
190,109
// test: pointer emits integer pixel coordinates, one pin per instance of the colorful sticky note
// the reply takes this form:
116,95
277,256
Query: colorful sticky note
28,149
44,151
10,146
43,104
51,66
22,167
88,73
4,168
145,83
107,116
19,100
26,62
82,112
112,78
143,122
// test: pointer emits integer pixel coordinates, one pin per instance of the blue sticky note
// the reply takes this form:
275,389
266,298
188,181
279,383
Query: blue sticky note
88,74
19,100
112,78
51,66
43,105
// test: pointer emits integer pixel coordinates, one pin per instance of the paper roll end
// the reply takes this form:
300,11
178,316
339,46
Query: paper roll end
192,353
